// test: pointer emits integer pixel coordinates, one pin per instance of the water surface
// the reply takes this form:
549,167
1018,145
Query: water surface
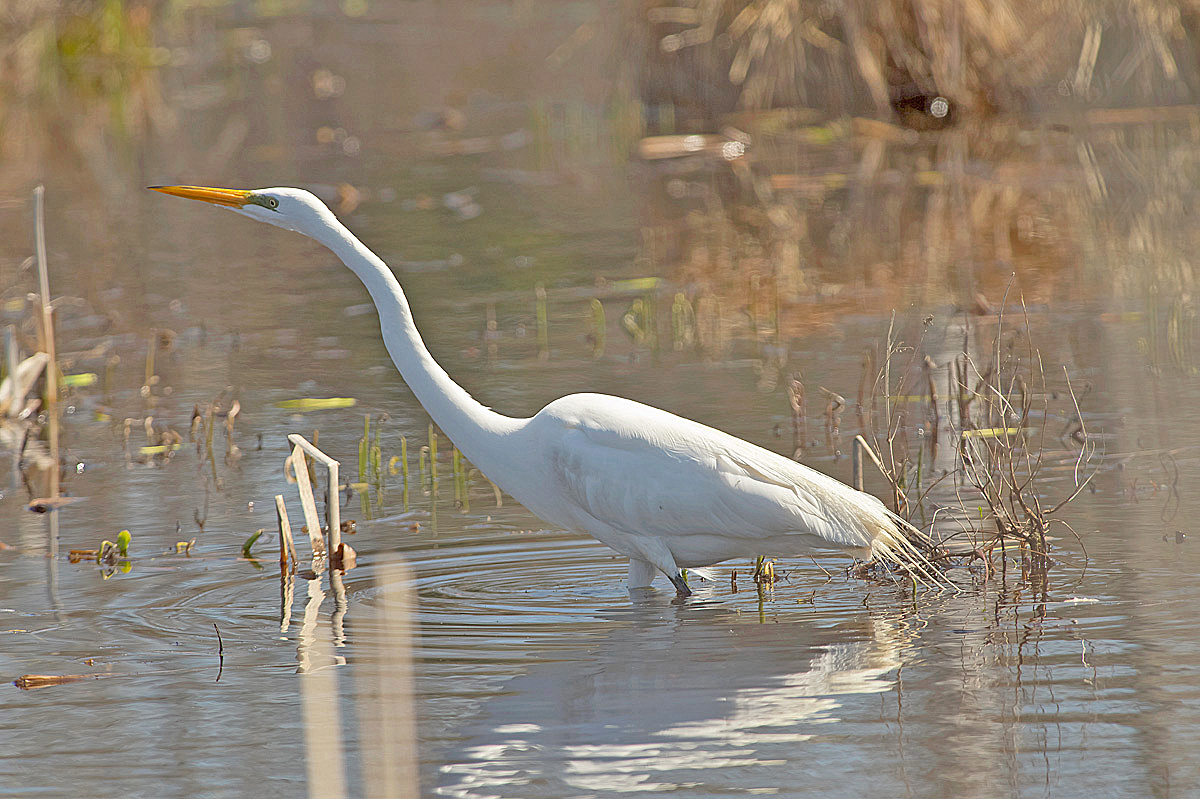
538,674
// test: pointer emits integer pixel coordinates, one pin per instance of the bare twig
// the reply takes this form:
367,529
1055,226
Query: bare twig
220,653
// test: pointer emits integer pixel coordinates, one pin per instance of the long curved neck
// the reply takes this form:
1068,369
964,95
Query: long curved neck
476,430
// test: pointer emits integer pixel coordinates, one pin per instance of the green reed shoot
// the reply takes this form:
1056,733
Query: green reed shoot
651,322
433,460
463,475
683,322
455,466
543,327
404,467
599,328
364,500
495,488
424,453
362,449
151,348
375,463
208,444
461,469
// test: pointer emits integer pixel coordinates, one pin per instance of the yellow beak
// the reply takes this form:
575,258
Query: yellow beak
232,198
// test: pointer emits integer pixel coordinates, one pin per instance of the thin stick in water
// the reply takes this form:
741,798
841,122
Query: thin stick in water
39,194
220,653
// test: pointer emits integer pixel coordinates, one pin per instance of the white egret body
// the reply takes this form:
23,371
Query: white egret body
666,492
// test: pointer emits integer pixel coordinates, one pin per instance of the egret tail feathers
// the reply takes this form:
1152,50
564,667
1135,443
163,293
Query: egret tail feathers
896,547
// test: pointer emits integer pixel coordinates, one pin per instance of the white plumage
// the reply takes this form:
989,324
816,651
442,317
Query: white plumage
667,492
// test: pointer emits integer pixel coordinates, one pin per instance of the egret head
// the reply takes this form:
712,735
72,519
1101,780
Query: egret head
291,209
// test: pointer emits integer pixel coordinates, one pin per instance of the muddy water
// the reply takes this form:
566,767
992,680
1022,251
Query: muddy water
537,672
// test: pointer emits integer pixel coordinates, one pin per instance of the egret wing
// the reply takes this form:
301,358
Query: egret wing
667,476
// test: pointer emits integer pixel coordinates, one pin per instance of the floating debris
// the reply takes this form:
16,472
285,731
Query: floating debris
316,403
27,682
44,504
160,449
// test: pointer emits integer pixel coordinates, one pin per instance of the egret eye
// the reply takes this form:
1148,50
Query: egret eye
272,203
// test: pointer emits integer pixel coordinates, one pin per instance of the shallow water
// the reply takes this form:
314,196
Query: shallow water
538,674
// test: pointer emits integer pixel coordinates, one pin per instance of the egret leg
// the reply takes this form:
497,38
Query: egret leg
641,573
681,586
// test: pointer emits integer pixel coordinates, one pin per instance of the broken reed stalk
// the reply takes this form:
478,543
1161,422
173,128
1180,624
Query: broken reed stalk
47,327
935,417
287,548
311,520
856,465
858,447
333,512
866,419
833,419
799,416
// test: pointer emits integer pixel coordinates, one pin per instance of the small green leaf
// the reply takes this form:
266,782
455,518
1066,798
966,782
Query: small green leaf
161,449
995,432
123,540
636,284
79,380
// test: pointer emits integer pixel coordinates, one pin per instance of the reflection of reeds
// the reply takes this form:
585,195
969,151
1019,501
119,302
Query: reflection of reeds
861,56
386,689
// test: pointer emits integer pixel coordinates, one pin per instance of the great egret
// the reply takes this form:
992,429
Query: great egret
666,492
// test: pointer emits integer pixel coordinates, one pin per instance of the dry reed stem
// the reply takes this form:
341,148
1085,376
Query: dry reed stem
308,503
48,345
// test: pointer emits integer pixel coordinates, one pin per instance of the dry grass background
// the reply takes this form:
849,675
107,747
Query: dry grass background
865,57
